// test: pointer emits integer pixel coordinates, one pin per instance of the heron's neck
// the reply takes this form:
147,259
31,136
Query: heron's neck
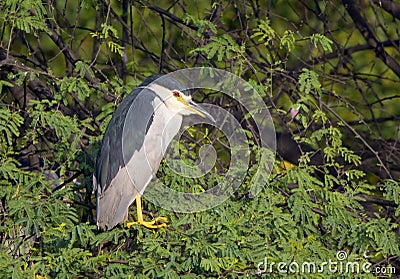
171,124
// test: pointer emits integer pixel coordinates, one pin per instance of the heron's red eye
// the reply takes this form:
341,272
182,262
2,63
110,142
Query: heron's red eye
176,94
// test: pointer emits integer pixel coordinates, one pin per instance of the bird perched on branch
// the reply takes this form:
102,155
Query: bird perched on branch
133,146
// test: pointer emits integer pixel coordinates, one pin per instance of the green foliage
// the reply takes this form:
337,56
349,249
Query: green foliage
319,39
288,40
265,32
202,25
4,83
308,80
27,15
391,192
73,84
82,68
108,33
223,46
105,116
9,124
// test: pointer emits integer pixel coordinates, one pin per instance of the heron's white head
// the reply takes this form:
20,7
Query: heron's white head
178,102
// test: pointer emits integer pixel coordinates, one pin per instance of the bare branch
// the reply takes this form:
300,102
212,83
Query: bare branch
390,6
364,29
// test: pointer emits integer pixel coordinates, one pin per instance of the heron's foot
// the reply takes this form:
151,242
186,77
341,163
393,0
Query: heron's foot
153,224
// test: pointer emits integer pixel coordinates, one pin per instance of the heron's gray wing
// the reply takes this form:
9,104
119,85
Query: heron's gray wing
124,135
113,154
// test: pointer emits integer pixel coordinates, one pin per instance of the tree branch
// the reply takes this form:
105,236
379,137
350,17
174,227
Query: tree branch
390,6
357,135
364,29
347,52
172,18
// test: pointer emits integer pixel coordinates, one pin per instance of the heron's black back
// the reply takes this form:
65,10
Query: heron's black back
113,155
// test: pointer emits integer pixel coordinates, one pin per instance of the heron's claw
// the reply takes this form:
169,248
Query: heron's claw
153,224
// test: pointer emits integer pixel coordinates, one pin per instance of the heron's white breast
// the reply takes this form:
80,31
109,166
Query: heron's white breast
146,161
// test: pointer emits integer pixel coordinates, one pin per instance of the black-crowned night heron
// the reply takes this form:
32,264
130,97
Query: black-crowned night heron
133,146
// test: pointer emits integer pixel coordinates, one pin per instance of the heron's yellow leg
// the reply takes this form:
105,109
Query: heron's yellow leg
151,224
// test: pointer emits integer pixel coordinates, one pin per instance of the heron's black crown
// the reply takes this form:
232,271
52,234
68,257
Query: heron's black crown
167,81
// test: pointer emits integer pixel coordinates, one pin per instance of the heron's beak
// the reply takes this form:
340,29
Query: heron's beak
197,109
